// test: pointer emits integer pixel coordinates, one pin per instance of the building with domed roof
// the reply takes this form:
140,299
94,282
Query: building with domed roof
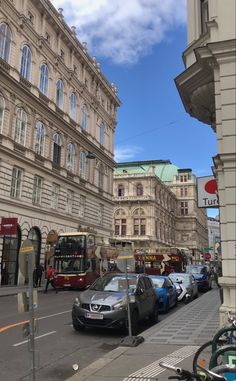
156,209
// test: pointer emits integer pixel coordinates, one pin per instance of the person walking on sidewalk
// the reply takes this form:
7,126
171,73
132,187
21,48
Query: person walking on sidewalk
39,273
50,279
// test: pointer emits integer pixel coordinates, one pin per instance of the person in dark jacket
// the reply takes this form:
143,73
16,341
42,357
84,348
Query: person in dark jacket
39,274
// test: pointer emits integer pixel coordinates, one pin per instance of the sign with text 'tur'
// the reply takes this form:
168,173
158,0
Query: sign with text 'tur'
207,192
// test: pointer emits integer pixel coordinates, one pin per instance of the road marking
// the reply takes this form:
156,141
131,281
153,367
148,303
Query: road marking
3,329
37,337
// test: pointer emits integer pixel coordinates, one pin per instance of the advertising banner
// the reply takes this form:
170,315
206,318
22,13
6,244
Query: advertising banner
8,226
207,192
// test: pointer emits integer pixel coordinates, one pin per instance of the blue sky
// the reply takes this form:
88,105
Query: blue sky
139,45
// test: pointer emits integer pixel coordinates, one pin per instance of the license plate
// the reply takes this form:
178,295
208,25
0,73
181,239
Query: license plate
66,285
94,316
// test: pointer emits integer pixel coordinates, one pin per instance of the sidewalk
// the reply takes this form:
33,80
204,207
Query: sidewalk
14,290
174,340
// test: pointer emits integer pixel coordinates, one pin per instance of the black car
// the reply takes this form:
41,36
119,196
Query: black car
104,303
202,276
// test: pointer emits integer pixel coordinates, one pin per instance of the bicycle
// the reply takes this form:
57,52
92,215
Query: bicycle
203,375
213,352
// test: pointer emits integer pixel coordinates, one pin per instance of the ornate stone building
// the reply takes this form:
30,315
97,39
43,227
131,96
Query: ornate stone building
208,89
57,111
156,208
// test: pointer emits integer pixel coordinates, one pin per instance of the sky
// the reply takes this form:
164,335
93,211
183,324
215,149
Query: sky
139,44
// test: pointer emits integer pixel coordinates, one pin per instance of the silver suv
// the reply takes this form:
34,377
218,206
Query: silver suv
104,303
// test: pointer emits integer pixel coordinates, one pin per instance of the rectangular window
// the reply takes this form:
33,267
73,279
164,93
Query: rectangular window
204,15
37,190
55,195
120,227
183,178
69,201
184,208
183,192
139,226
16,182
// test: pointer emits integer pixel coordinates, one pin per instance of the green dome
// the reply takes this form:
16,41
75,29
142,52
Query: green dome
164,169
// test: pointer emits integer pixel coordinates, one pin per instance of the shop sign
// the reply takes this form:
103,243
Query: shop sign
175,258
207,192
8,226
149,257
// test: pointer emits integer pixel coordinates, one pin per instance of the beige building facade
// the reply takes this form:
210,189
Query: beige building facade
208,90
156,209
57,123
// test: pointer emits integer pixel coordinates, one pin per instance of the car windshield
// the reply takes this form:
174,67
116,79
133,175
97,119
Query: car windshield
196,269
113,283
158,282
179,278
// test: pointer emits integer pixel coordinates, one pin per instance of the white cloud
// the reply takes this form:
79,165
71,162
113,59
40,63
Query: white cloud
122,31
126,153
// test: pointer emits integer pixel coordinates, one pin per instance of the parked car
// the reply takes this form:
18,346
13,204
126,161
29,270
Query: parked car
202,275
104,303
186,286
166,292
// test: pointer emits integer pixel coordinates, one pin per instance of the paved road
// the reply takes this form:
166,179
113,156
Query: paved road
58,346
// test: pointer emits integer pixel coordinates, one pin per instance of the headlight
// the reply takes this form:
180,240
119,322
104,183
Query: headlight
121,304
77,302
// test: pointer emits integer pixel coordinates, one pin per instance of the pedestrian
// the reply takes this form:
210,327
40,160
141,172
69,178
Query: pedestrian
39,273
214,276
35,278
50,279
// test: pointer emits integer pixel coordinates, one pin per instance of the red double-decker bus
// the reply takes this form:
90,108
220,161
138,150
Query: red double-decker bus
81,257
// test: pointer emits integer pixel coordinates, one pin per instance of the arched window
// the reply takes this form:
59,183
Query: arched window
101,133
70,156
73,106
26,61
121,190
5,42
43,79
84,117
56,149
82,164
139,190
39,138
21,124
59,93
100,176
2,108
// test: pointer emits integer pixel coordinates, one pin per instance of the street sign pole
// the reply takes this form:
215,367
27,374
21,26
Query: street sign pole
128,300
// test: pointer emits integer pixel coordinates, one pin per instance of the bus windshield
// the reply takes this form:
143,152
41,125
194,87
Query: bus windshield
73,244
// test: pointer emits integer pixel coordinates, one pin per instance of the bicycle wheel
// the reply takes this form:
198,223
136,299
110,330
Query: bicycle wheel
202,356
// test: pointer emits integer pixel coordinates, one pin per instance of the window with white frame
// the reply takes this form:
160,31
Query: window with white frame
70,157
120,226
204,15
26,61
20,127
59,93
73,106
39,138
37,190
184,208
16,182
55,196
183,178
139,226
5,42
139,190
102,134
183,191
82,205
69,201
43,79
2,108
56,149
121,190
82,164
84,117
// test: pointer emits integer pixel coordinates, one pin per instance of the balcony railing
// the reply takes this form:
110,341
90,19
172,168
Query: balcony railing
132,198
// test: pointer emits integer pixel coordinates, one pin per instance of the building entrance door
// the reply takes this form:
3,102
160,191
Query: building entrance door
10,253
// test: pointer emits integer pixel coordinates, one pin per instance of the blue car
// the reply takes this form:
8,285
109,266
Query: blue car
202,276
166,292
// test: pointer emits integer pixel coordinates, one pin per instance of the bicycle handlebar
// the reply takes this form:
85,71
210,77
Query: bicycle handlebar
192,376
170,367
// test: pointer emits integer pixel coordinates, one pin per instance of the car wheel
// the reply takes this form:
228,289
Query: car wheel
77,326
155,314
134,322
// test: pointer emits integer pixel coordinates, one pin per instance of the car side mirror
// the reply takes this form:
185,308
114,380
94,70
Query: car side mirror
139,291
